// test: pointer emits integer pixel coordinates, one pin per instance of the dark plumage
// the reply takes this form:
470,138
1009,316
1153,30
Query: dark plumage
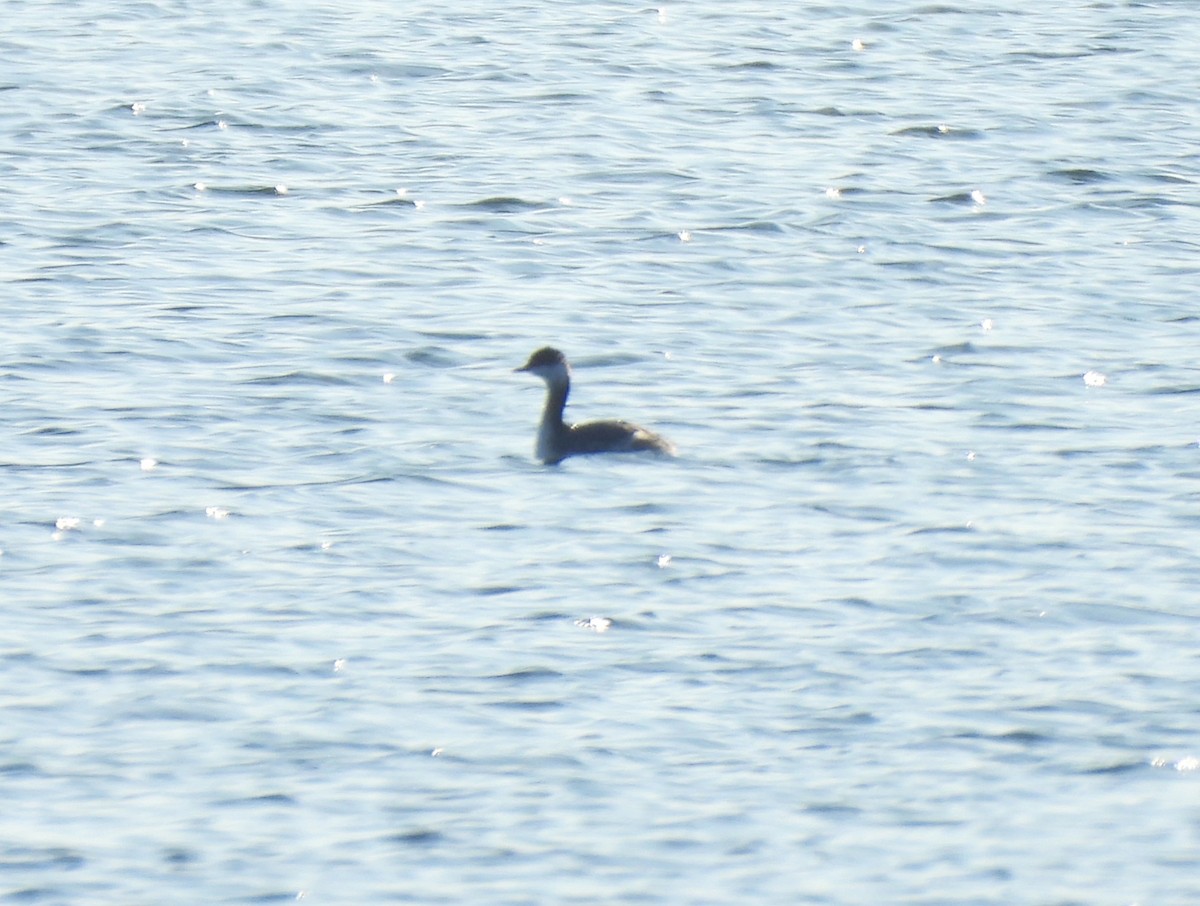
557,440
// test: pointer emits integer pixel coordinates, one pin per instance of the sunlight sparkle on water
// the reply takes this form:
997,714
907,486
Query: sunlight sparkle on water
595,624
64,525
1186,764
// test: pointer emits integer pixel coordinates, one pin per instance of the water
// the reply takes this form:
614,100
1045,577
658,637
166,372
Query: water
292,614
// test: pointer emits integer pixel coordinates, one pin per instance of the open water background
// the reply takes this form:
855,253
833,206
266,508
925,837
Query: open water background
290,613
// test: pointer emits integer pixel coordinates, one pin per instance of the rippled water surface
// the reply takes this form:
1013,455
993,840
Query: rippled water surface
291,612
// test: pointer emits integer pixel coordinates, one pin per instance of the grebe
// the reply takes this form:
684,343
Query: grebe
557,440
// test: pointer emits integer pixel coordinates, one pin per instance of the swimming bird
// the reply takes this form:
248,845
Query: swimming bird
557,440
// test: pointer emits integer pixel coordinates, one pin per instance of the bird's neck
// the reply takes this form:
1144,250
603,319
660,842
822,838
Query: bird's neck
556,401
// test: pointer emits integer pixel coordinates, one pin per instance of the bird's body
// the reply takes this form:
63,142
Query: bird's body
556,440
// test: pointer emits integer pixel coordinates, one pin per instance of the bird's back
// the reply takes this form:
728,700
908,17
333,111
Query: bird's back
612,436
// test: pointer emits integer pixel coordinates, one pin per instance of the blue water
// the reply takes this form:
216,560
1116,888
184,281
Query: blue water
290,611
